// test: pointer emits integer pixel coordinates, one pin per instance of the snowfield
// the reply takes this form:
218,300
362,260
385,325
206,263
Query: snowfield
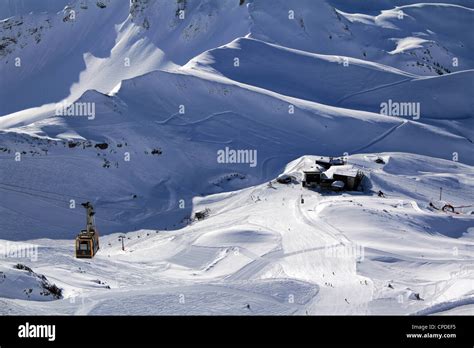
350,253
162,101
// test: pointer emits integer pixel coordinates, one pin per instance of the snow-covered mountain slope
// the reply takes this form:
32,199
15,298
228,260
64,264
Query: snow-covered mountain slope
10,8
339,81
173,115
375,6
62,50
162,156
283,249
21,282
442,97
416,38
320,78
65,52
52,50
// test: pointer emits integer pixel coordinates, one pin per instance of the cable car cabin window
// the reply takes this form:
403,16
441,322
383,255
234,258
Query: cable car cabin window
84,246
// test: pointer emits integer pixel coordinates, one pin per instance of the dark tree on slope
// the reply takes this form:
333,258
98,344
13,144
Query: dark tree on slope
181,5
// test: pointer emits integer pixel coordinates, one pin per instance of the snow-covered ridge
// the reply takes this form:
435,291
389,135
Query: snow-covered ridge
360,85
148,35
333,32
189,126
64,51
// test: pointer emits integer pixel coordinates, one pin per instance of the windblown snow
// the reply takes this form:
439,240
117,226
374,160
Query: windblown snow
190,124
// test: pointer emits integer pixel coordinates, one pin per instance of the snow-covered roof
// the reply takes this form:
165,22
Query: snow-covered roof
313,168
347,170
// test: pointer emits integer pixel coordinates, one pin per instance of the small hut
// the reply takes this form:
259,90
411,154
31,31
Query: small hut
350,177
312,176
346,174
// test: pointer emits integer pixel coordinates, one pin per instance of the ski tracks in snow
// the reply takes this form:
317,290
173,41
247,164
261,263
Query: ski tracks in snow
380,137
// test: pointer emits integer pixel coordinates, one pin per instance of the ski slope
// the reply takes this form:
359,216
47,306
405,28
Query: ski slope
263,247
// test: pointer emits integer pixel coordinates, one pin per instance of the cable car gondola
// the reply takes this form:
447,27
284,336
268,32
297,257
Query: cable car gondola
87,241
